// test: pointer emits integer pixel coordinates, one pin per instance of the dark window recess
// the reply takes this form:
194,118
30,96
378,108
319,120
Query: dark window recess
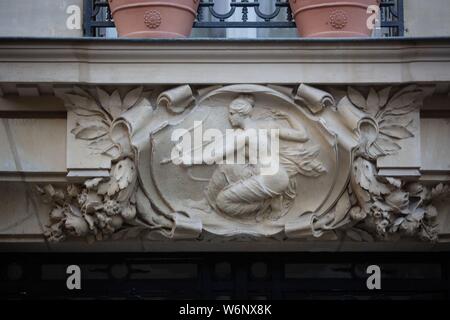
305,276
97,16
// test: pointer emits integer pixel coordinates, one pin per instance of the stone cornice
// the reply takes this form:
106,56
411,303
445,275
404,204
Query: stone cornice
201,61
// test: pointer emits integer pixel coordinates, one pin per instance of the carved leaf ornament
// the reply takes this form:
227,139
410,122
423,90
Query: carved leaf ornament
100,206
391,113
392,206
372,207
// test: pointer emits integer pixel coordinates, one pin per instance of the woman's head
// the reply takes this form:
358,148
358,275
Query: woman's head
240,108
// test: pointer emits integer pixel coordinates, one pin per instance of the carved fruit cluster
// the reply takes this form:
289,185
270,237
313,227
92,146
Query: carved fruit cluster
393,206
372,207
97,209
101,206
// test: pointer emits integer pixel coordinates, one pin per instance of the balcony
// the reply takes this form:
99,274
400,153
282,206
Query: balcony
241,19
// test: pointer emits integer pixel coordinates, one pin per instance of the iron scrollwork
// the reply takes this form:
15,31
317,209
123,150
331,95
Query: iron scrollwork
97,16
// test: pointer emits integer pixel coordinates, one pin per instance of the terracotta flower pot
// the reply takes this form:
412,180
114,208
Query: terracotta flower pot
154,18
328,18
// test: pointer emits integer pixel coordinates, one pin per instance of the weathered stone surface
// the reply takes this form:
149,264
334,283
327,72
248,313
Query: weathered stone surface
368,61
424,19
435,145
364,167
43,18
33,145
23,215
325,183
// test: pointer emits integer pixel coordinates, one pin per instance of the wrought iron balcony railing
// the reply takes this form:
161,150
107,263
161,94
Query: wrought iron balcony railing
241,14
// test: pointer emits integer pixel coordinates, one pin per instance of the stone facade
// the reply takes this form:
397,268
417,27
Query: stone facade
44,18
426,19
47,18
87,144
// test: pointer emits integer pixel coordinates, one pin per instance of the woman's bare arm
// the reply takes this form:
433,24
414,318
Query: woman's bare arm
297,135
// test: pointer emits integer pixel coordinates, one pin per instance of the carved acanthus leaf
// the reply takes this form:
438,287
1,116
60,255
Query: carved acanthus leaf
396,132
357,98
393,206
131,98
101,206
372,103
371,207
96,209
392,114
101,145
90,129
365,175
388,146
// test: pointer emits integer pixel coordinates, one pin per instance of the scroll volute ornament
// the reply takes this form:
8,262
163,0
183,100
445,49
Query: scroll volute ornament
154,19
327,18
326,143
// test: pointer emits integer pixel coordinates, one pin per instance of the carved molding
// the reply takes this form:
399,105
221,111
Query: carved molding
327,185
287,61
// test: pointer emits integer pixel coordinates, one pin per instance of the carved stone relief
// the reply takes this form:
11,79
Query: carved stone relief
326,181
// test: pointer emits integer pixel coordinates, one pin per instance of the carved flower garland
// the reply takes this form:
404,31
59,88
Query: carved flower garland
373,206
391,206
101,206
